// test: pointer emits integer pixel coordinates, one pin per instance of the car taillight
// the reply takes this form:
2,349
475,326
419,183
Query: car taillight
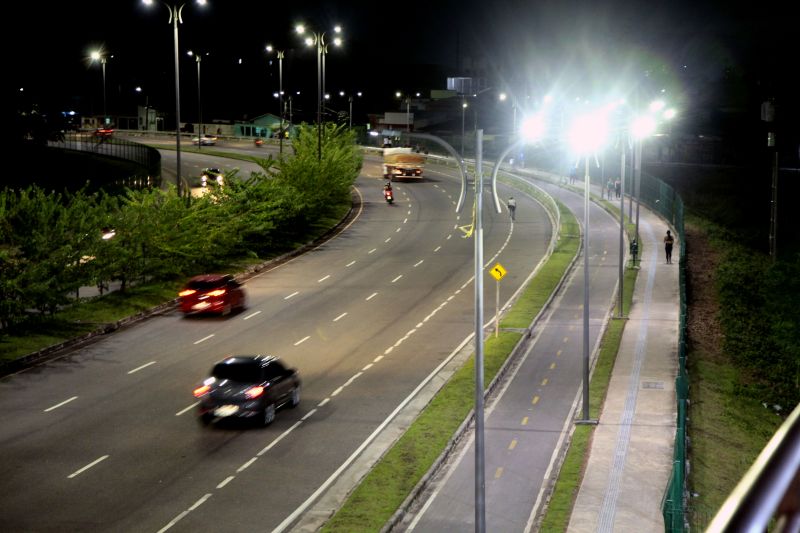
254,392
200,391
217,292
187,292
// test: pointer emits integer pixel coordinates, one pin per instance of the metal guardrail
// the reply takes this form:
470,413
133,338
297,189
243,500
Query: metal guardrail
770,490
149,159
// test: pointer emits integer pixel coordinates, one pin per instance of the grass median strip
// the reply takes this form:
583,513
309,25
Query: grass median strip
386,486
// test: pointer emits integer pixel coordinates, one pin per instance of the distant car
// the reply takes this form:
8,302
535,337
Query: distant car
247,386
205,140
212,293
104,132
213,176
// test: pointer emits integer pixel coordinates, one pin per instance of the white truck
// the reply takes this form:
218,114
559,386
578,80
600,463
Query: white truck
402,162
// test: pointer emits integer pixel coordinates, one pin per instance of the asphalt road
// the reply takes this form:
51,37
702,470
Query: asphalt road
106,438
530,417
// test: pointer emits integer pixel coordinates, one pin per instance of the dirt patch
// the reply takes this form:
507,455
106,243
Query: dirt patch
704,333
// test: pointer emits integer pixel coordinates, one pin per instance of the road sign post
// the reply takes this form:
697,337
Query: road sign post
497,273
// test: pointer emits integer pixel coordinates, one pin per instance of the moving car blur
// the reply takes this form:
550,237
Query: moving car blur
205,140
212,293
247,386
214,176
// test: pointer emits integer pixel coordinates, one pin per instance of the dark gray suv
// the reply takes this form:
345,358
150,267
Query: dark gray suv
248,386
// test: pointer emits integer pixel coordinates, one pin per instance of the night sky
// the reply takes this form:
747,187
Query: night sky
581,48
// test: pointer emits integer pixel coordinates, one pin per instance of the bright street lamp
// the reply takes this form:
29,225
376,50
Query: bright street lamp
280,54
199,102
587,136
175,18
99,56
318,40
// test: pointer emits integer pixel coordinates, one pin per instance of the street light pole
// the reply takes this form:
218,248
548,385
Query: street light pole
199,103
174,19
99,56
621,223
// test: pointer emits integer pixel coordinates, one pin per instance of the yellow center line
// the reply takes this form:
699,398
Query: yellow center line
544,382
552,366
566,339
558,353
498,472
524,421
535,400
513,444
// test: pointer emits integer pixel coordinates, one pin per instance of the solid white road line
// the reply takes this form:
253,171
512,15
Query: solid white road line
204,339
143,366
87,467
56,406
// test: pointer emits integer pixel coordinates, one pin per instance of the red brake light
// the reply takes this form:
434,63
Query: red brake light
254,392
187,292
217,292
200,391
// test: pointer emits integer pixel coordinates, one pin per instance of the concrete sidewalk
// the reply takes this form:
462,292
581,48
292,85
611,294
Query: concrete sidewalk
630,460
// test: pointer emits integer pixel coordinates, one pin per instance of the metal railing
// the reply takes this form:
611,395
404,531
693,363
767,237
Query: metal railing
770,490
147,171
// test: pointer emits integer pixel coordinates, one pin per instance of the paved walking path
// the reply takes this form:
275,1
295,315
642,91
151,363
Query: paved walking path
631,451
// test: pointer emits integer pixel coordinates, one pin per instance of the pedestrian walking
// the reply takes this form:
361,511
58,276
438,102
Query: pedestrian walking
609,187
618,188
669,240
512,206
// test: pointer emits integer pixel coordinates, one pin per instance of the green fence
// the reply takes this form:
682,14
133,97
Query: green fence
662,199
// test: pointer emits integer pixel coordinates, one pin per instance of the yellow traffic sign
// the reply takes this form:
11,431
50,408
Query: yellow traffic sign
498,271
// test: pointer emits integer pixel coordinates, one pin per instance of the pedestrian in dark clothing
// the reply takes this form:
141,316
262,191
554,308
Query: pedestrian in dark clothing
618,188
669,240
512,206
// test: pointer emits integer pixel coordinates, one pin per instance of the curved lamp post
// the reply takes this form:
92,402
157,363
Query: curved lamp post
318,40
97,55
175,11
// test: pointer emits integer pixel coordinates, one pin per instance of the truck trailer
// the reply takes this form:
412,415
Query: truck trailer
402,162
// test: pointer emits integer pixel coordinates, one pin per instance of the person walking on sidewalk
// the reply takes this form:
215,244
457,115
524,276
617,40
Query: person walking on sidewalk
669,240
512,206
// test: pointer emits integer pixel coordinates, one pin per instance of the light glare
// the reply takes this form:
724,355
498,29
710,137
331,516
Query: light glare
533,128
643,126
588,133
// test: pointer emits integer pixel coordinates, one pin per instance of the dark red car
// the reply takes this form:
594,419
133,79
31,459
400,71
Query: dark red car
212,293
104,132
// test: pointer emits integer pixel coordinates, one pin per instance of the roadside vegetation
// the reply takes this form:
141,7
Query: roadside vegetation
51,244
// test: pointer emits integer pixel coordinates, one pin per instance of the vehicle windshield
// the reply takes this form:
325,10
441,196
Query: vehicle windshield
243,372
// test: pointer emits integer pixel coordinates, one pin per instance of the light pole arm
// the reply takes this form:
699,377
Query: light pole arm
463,194
496,168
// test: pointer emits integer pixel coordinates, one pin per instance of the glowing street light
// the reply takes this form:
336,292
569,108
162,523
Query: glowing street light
98,55
587,136
175,18
318,40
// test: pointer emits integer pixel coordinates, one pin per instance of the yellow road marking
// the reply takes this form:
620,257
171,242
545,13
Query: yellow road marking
524,421
535,400
552,366
513,444
558,353
544,382
498,472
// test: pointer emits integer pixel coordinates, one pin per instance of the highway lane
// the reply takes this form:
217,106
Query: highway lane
106,438
528,420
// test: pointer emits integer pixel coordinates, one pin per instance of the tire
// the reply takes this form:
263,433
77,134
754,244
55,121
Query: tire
268,416
294,400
